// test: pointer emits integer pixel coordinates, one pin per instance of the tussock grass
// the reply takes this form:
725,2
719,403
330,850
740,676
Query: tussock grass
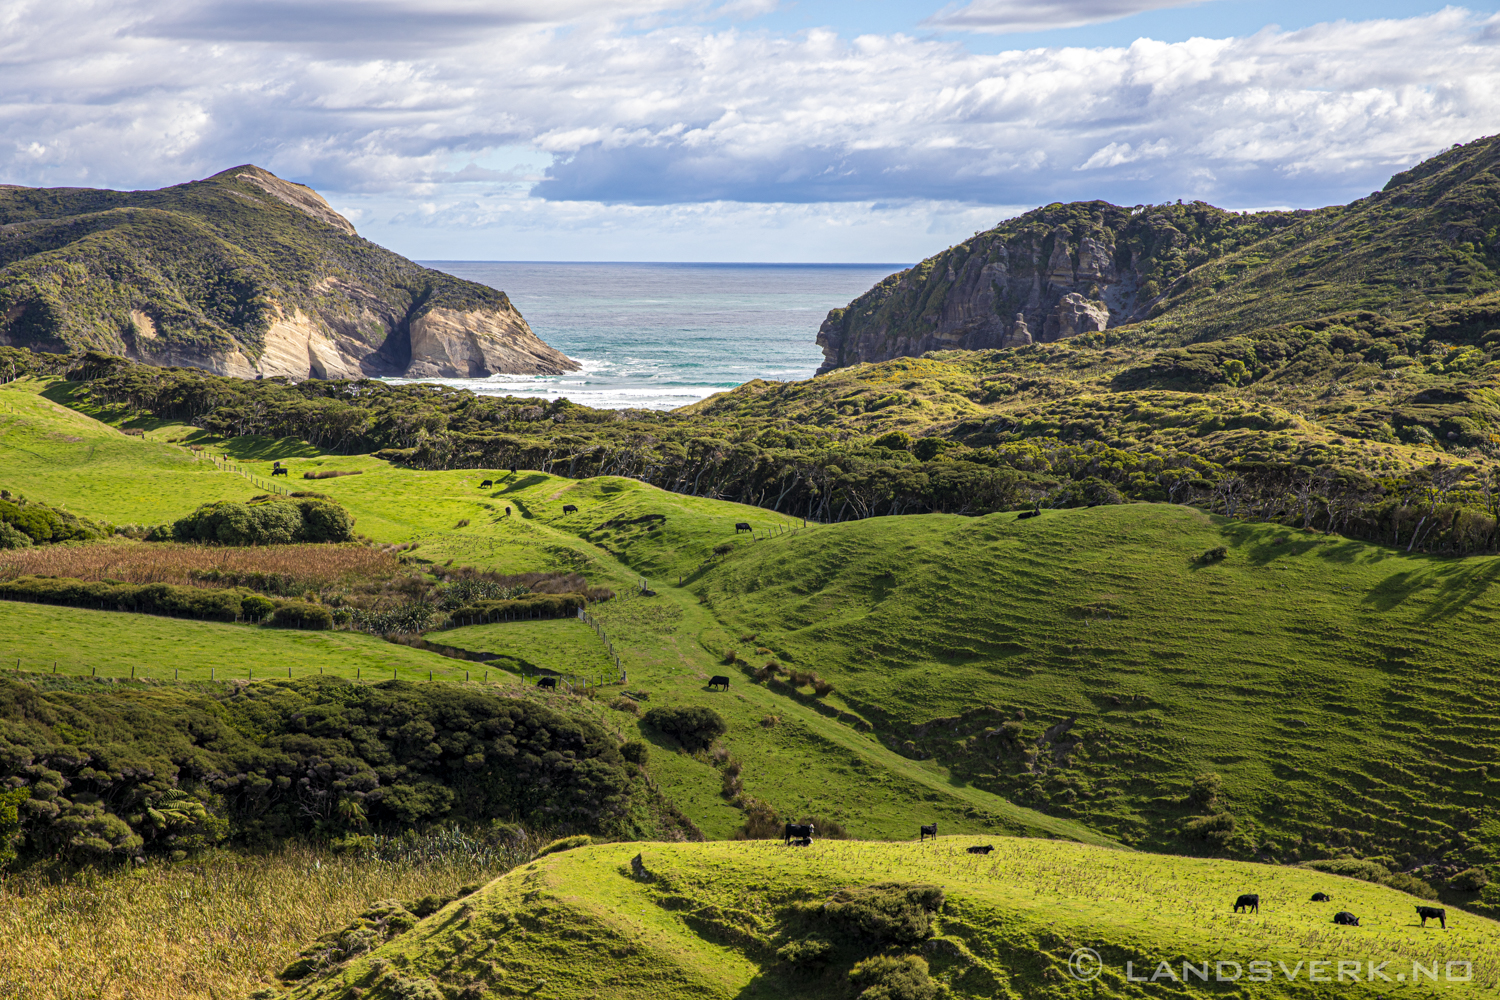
216,928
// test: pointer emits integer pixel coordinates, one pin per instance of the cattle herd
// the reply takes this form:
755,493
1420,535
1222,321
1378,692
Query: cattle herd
1250,903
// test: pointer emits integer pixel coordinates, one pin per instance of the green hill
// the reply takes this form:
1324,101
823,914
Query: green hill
1174,274
243,273
763,920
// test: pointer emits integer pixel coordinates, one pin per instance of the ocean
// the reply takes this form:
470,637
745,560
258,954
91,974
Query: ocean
659,336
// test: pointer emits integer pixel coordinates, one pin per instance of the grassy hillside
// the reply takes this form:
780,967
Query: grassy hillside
1094,664
623,530
717,920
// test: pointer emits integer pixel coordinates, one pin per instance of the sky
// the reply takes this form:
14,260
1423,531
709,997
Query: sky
740,130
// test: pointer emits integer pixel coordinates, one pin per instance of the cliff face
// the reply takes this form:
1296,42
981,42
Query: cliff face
1189,272
1051,274
243,274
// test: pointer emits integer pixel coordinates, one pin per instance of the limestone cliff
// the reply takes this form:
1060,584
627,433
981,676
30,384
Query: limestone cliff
243,274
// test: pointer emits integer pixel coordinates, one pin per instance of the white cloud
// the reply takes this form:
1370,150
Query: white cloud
1011,16
648,122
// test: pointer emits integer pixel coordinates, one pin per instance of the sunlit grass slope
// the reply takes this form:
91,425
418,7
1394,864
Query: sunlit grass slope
706,921
85,643
57,455
217,927
809,762
1346,693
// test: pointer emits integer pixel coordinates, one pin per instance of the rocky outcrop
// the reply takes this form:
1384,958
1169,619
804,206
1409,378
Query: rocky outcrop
248,275
1055,273
1000,290
446,343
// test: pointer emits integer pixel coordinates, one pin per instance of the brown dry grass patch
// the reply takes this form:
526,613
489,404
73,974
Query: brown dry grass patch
316,566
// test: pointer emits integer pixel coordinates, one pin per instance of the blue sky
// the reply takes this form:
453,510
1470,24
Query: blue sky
843,130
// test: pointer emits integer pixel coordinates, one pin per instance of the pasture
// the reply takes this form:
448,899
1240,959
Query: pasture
706,921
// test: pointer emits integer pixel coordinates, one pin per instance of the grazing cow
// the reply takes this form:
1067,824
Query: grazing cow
1028,513
1345,919
803,842
569,508
547,682
987,848
280,471
928,831
718,681
487,484
742,526
1249,902
799,830
1433,913
1320,897
512,470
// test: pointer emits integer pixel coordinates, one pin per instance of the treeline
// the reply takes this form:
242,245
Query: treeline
135,770
823,473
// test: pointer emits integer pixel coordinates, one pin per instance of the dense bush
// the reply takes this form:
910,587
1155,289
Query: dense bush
886,913
1367,871
694,726
892,977
136,770
1470,880
300,614
24,523
266,521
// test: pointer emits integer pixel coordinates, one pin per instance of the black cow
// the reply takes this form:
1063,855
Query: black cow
1028,513
1433,913
279,471
742,526
1249,902
803,842
804,831
569,508
987,848
487,484
718,681
547,682
928,831
1345,919
512,470
1320,897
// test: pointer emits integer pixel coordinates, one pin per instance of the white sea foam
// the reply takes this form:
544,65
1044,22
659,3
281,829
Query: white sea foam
660,336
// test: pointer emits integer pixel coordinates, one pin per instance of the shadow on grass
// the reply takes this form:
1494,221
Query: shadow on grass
260,449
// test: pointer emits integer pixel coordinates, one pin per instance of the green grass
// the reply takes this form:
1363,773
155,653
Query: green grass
706,923
562,644
113,643
1345,693
54,454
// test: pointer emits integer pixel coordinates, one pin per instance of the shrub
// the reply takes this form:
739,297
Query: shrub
891,977
887,913
821,688
1213,556
635,751
1470,880
694,726
12,537
808,952
894,441
1215,830
1403,882
1206,789
266,521
566,844
1368,871
623,704
332,473
256,606
299,614
723,548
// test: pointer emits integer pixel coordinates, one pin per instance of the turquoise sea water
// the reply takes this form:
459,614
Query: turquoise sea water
663,335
